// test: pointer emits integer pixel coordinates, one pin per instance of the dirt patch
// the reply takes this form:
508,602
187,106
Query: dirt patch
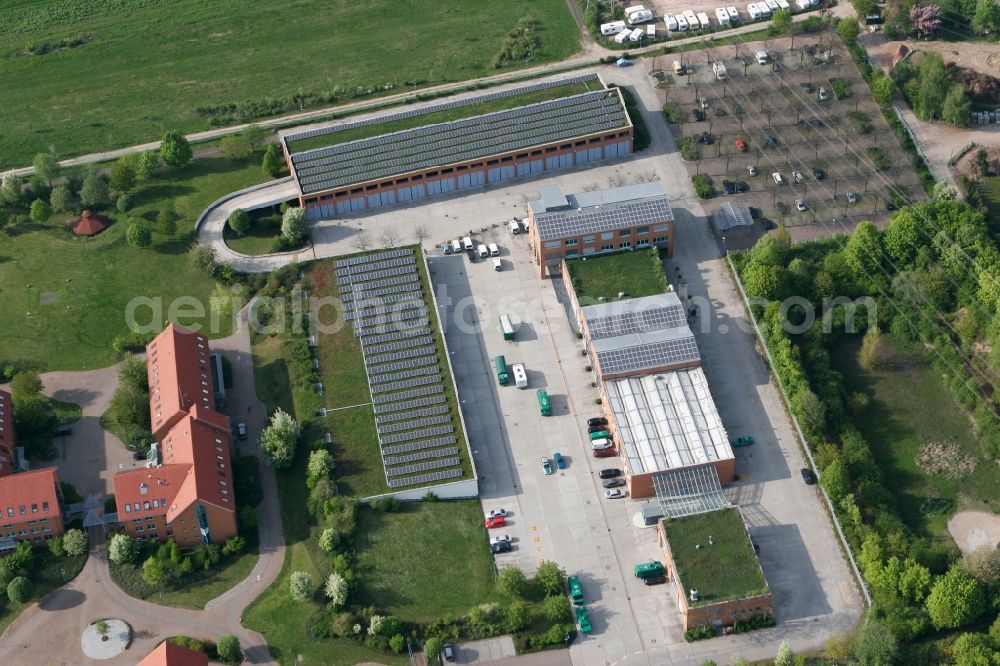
48,297
946,459
971,529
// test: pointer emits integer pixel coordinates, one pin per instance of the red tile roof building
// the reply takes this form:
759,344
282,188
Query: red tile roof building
8,438
30,507
189,495
168,654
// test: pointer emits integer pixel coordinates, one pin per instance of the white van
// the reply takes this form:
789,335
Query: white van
514,227
783,4
651,31
670,21
467,243
761,56
482,251
494,250
691,19
678,68
633,9
733,14
722,15
600,444
640,17
456,246
772,5
703,19
637,35
765,11
682,23
622,36
753,10
778,178
520,375
613,28
497,265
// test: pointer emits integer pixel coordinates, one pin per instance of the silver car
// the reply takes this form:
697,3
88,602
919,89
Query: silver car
800,204
614,494
852,197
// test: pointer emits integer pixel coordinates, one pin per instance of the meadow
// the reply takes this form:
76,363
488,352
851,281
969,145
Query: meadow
82,76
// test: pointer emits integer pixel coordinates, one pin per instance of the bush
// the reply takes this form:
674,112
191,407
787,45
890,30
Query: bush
839,88
234,545
56,547
703,186
75,542
228,649
673,113
122,549
689,149
239,222
124,203
20,590
699,633
879,158
301,586
759,622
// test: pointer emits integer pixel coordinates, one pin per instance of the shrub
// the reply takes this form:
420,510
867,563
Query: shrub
336,590
703,186
301,585
699,633
239,222
397,643
862,123
75,542
20,590
228,649
56,547
878,158
329,540
758,622
279,439
122,549
839,88
689,149
294,225
138,234
234,545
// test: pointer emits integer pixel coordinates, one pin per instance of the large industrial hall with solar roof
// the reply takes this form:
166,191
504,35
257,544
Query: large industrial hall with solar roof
439,158
660,411
568,226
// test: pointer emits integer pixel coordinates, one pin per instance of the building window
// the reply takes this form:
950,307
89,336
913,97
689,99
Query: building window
642,242
570,241
642,230
45,506
661,227
607,248
624,232
596,139
660,239
551,149
553,245
587,240
128,508
492,162
624,246
607,235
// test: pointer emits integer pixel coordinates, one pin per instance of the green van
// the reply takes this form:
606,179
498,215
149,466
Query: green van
575,590
503,375
649,569
544,406
600,434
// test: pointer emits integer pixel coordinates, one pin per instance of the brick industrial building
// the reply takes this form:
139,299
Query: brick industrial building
661,414
715,576
8,436
187,491
438,158
569,226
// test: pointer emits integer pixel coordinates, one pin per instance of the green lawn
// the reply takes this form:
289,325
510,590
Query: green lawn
137,67
77,290
455,113
263,234
206,589
637,273
910,407
726,569
48,573
426,561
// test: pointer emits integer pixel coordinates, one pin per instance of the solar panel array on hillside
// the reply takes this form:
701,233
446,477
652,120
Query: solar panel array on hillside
389,314
460,140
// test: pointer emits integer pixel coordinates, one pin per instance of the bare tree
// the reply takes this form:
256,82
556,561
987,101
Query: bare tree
362,241
421,233
389,237
616,180
646,177
709,49
593,187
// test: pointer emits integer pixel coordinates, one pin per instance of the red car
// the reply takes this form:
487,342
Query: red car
495,521
605,453
741,145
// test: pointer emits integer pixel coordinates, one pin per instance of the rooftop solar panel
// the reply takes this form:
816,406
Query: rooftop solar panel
407,394
577,222
422,467
636,322
421,455
415,434
401,343
410,404
655,355
402,365
401,355
407,384
412,414
416,424
426,478
361,331
418,445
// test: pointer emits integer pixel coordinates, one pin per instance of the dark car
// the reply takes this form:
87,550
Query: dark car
241,431
654,580
597,421
62,431
890,205
815,122
698,115
139,455
729,186
472,255
808,476
609,473
612,483
806,86
449,652
741,186
501,547
818,173
597,428
605,453
705,138
771,142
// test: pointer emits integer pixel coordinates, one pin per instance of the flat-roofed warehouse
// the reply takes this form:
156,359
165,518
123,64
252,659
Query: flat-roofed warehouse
638,336
664,422
411,164
567,226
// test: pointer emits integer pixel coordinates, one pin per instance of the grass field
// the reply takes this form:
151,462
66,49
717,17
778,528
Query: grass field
425,561
130,69
638,273
910,407
264,232
726,569
444,116
77,290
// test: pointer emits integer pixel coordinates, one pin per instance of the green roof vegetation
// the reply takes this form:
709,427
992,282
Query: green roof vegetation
725,569
637,273
443,116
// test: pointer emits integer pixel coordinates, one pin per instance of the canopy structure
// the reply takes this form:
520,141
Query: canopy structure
89,224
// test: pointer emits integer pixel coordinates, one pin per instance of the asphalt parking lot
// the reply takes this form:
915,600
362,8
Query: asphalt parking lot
776,111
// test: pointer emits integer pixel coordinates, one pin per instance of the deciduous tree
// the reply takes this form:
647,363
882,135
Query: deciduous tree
138,234
986,18
933,85
25,386
274,162
75,542
955,600
122,549
551,578
20,590
40,211
336,590
10,188
785,656
279,439
46,167
301,585
203,258
876,646
294,225
175,149
883,89
926,19
94,192
228,648
956,106
239,222
123,175
511,582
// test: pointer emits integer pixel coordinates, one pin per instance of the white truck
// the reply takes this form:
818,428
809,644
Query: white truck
520,375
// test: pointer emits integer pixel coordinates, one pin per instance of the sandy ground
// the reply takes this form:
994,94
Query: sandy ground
972,529
979,56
